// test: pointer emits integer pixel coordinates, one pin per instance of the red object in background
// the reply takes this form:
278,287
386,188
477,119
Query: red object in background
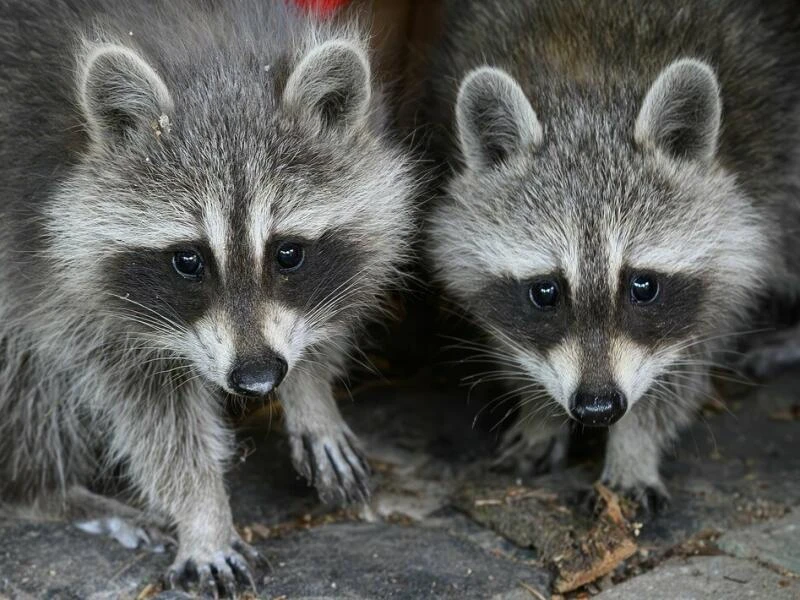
324,7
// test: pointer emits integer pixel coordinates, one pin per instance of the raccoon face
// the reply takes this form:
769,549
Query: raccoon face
239,226
601,258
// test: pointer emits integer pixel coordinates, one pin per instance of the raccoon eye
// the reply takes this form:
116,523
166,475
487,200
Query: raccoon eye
644,289
544,294
290,256
188,264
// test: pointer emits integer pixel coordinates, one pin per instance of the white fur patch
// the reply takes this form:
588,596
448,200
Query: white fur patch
217,230
212,347
633,367
284,331
558,372
261,224
565,366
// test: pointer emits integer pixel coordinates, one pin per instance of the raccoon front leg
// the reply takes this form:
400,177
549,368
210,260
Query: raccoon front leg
324,449
535,444
772,353
175,450
633,456
131,527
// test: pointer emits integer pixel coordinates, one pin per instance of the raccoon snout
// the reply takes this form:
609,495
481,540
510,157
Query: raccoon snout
598,408
257,376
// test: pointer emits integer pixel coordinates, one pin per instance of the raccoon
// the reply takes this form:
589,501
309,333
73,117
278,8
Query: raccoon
201,202
625,186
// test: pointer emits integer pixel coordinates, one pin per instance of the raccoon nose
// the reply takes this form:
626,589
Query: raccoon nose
598,409
257,376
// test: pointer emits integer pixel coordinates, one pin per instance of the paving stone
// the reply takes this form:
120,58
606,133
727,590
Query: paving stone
776,543
732,470
56,561
706,578
352,560
391,561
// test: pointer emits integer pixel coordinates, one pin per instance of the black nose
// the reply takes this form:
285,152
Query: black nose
598,409
257,376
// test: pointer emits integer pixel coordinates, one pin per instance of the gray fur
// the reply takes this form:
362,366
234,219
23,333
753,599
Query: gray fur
494,118
134,130
669,145
681,113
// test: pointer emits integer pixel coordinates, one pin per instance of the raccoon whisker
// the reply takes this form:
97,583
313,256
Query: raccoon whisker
679,408
710,364
474,380
344,284
457,312
737,380
682,346
470,347
500,370
551,405
495,375
463,344
701,362
142,319
349,287
186,381
182,368
460,312
670,393
697,392
160,358
492,406
303,365
516,392
501,360
674,387
151,325
180,379
503,336
348,353
155,313
482,354
330,310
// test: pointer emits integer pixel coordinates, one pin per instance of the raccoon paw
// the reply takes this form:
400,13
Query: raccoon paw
216,574
532,454
129,533
772,354
334,464
652,500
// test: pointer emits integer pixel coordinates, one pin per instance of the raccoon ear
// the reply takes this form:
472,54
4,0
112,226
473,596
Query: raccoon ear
332,84
681,112
494,118
120,92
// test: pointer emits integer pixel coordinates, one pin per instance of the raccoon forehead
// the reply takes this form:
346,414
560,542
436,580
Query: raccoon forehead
707,226
471,250
85,217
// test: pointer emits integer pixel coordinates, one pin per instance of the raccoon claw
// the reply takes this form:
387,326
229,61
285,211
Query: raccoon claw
129,534
253,556
215,576
335,465
652,500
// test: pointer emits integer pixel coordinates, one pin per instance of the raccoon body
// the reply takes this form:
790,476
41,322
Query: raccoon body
624,187
200,202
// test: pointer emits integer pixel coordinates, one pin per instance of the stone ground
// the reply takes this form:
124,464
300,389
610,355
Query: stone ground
443,525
